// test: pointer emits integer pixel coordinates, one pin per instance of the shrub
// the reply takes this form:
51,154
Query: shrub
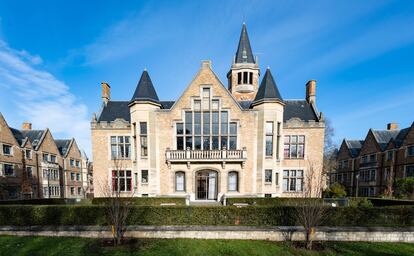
29,215
404,188
360,202
336,190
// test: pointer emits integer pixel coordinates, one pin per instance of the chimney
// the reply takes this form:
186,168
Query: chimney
27,126
106,92
392,126
311,91
206,64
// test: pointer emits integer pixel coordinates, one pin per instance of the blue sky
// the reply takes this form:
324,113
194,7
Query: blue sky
54,54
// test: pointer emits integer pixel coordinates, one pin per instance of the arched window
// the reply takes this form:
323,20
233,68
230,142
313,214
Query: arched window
233,181
180,181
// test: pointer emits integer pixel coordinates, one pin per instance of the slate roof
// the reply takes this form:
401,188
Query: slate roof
63,146
245,104
384,136
300,109
268,89
145,90
114,110
167,104
354,146
34,136
401,136
244,52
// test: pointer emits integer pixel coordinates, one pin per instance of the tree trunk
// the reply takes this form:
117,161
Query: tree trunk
308,239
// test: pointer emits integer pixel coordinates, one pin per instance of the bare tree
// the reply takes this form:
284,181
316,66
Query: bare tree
330,150
310,212
118,201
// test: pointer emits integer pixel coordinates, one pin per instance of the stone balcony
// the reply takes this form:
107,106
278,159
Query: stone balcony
206,156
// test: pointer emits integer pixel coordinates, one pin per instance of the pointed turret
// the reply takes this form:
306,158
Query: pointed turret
145,90
244,52
268,90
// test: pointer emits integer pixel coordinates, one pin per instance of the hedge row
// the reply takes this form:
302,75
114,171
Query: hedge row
389,202
280,201
266,201
138,201
180,215
145,201
42,201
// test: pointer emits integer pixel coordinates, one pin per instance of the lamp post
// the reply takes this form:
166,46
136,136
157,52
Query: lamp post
357,183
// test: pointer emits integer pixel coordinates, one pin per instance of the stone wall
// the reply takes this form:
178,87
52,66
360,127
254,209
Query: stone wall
377,234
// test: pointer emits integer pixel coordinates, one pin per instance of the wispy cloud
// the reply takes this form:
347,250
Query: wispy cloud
36,95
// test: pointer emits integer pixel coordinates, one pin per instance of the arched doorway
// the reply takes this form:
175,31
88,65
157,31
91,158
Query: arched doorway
206,185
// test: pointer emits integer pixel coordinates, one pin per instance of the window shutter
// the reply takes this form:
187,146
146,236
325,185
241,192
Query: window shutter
1,169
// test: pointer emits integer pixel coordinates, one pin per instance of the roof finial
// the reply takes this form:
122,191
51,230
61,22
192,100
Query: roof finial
268,67
145,69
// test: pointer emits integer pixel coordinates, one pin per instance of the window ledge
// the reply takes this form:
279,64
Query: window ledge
268,183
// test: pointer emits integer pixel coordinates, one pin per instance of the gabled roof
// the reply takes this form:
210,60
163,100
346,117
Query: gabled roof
35,136
354,146
63,146
398,141
268,89
299,109
145,90
382,137
114,110
244,52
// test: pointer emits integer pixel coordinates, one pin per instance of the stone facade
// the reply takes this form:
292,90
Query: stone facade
141,147
369,168
33,166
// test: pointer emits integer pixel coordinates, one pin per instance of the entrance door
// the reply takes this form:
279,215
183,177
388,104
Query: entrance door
206,185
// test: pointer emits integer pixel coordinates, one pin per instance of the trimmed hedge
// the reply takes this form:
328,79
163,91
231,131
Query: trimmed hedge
28,215
389,202
138,201
144,201
269,201
42,201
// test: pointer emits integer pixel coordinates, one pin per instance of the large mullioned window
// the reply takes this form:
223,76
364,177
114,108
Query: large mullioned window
206,127
121,180
120,147
294,146
293,180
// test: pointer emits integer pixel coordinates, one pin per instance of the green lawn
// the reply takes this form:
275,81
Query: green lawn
11,245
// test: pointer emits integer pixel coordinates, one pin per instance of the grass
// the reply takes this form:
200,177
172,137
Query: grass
12,245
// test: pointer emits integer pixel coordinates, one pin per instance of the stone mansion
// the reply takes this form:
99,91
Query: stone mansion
243,140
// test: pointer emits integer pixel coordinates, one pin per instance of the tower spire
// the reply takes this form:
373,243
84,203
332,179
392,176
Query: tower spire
244,52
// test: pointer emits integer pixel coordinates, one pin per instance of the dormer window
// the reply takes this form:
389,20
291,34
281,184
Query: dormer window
244,56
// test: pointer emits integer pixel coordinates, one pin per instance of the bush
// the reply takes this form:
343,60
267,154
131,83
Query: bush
28,215
336,190
360,202
144,201
404,188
